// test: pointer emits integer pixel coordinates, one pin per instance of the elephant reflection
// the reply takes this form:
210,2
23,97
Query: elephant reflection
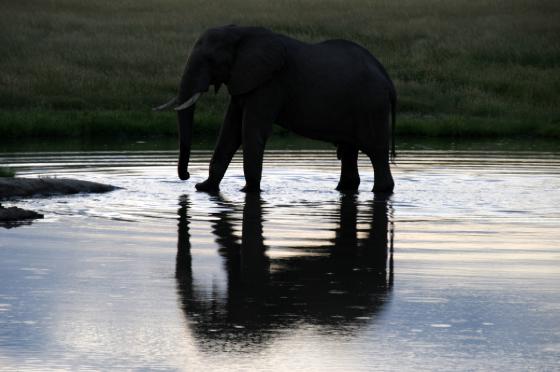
338,286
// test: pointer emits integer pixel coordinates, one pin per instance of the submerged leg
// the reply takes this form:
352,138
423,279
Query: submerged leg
383,179
255,133
349,176
259,113
377,148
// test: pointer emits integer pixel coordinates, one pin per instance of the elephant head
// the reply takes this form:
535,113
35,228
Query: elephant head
240,57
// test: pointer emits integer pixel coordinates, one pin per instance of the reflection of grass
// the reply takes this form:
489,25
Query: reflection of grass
474,68
279,141
7,172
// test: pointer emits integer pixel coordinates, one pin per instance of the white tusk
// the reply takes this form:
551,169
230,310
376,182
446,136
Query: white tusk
188,103
173,102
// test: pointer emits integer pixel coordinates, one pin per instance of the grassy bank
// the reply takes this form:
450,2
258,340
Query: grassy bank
21,124
120,124
462,68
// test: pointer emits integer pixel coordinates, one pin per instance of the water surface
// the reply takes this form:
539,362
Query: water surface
458,269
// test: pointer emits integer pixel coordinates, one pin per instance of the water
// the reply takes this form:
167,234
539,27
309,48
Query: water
459,269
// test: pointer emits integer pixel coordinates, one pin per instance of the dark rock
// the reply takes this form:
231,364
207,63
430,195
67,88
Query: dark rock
27,187
14,216
33,187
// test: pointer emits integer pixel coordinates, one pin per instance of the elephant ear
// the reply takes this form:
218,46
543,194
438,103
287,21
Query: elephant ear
256,61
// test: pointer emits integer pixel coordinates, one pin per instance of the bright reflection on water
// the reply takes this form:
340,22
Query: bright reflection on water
459,269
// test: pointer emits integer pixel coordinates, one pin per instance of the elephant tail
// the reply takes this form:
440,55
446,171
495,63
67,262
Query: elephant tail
393,123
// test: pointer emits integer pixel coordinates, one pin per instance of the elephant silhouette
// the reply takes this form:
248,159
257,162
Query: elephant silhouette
339,286
334,91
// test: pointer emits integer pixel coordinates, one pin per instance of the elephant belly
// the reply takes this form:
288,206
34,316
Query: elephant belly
333,90
327,115
333,129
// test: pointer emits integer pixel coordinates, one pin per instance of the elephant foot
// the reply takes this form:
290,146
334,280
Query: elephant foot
207,186
251,189
183,176
384,187
348,186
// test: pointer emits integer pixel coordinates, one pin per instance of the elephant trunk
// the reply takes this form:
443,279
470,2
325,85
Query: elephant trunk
193,84
185,123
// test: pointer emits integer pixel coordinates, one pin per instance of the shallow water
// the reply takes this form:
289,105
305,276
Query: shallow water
459,269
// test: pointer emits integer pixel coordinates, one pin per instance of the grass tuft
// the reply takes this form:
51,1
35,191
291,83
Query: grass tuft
7,172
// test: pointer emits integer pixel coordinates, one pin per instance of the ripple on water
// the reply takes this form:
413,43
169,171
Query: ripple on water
157,275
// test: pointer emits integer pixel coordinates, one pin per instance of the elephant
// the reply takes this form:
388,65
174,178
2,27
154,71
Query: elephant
342,284
334,91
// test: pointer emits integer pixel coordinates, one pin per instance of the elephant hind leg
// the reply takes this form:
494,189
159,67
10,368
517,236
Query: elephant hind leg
383,179
349,176
377,149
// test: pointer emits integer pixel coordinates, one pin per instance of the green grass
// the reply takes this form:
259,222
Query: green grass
22,124
7,172
462,68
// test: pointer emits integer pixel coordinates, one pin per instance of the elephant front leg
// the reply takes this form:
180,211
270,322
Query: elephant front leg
255,132
259,113
228,143
349,176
